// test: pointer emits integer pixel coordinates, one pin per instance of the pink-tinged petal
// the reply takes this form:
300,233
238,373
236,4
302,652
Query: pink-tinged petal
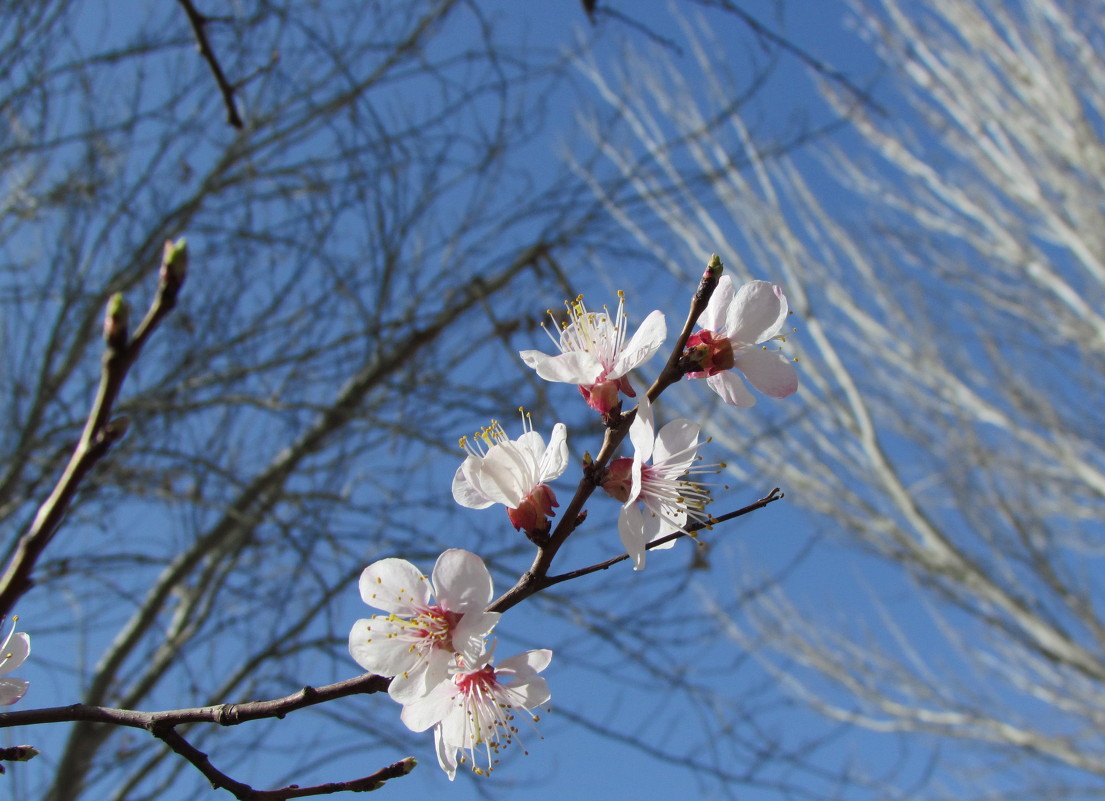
16,650
714,317
676,445
471,632
641,432
631,533
424,712
394,585
642,346
575,367
465,492
462,582
375,648
731,389
11,690
554,461
529,663
769,371
757,313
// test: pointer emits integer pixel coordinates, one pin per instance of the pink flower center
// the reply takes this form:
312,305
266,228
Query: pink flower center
618,481
602,396
434,628
534,511
476,682
713,351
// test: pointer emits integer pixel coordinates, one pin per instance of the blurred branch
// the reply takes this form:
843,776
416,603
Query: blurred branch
162,725
100,432
199,22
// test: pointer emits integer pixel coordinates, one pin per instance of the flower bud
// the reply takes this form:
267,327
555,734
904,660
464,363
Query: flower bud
714,267
116,319
174,261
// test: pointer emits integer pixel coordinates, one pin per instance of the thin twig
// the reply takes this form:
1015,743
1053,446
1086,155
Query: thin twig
199,22
162,725
771,497
100,432
811,61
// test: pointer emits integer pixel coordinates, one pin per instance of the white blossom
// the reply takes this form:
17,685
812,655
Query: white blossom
418,639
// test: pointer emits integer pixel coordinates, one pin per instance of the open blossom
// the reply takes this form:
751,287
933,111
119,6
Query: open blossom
669,499
595,355
734,323
473,712
513,473
15,649
418,640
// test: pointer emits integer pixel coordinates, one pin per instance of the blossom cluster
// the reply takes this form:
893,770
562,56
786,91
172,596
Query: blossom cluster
432,641
434,637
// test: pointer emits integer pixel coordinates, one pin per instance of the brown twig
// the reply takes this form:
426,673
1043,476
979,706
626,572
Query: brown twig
162,725
771,497
199,22
101,432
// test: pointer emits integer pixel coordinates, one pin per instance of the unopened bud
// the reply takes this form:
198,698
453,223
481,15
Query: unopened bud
714,268
18,753
115,321
115,430
174,261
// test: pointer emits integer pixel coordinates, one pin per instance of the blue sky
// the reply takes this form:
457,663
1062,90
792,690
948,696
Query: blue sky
570,761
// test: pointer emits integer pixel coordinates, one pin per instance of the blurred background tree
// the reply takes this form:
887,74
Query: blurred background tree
369,248
946,264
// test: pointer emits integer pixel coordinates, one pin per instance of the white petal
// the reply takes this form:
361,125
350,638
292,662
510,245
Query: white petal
714,318
470,633
373,646
641,431
769,371
462,582
659,524
529,663
506,476
676,445
394,585
419,715
16,649
574,367
758,312
530,692
11,690
643,345
731,389
423,677
554,461
446,755
630,530
465,492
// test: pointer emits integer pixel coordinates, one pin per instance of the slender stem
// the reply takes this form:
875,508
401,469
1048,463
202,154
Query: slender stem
100,431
